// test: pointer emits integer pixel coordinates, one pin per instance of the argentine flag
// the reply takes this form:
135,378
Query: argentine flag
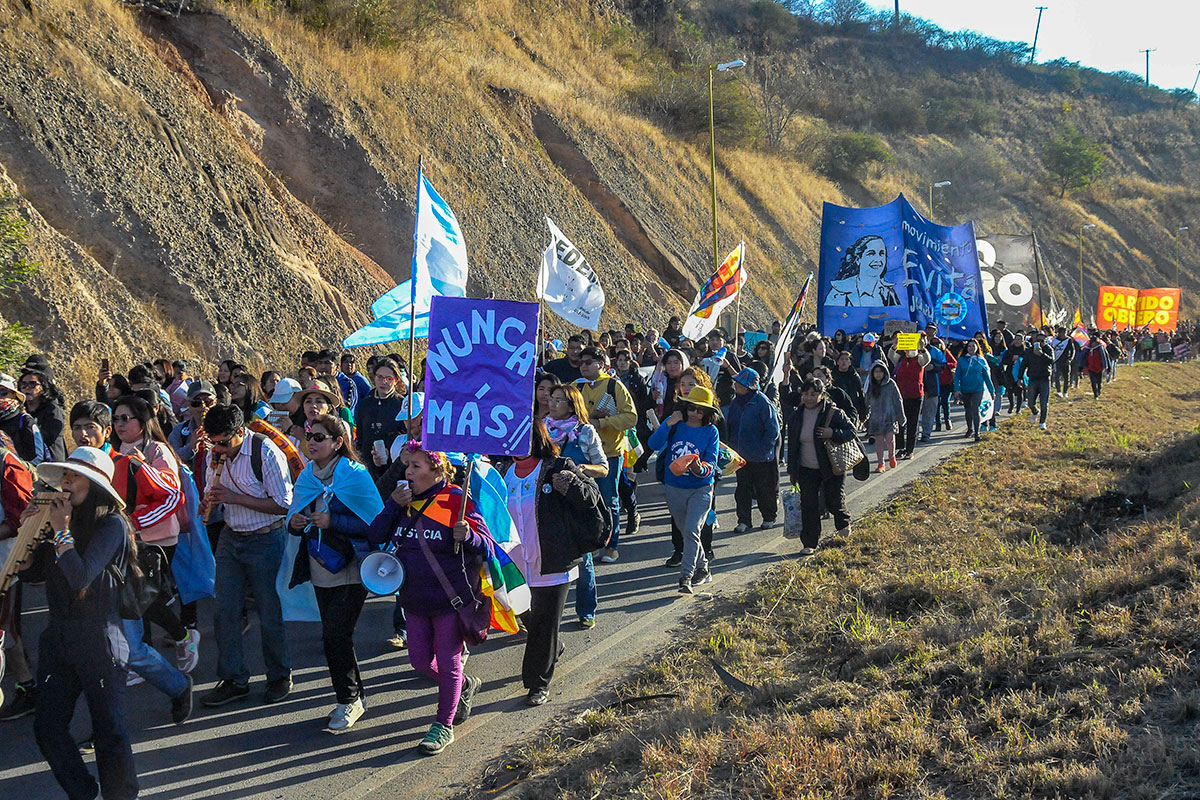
439,267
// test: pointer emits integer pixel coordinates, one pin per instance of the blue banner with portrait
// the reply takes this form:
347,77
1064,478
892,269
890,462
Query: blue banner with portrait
890,263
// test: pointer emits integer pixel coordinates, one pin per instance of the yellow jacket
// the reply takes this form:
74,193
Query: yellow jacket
612,428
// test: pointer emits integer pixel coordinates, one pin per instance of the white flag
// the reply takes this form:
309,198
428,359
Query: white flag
567,284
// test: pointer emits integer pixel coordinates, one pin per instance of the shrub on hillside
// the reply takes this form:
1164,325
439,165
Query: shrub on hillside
375,22
1072,159
15,269
901,113
848,155
960,115
679,100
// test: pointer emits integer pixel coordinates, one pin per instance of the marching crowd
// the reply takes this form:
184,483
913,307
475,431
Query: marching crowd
332,456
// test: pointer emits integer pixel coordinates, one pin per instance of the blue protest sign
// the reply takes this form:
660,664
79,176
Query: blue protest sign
479,376
890,263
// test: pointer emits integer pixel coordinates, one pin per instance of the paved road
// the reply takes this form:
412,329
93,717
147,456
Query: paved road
248,750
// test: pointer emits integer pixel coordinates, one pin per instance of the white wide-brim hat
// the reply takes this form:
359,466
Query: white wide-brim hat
91,463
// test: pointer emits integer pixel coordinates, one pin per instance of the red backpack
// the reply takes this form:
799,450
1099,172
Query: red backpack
1095,360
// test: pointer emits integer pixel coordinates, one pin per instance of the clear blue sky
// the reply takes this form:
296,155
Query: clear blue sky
1104,34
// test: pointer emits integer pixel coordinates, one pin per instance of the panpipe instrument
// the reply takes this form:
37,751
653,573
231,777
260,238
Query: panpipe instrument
218,468
32,531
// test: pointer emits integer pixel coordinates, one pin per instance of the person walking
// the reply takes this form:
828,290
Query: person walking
83,648
254,490
611,412
910,379
815,422
688,440
753,430
1096,363
334,501
1037,362
971,377
418,525
546,489
886,411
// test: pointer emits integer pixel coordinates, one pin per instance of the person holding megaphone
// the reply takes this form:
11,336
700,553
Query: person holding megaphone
333,504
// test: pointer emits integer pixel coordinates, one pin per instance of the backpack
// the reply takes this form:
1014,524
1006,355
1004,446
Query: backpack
143,582
1095,360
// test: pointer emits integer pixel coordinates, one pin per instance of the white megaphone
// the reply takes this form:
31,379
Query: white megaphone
382,573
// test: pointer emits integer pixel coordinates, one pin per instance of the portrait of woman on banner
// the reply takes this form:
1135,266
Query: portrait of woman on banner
859,282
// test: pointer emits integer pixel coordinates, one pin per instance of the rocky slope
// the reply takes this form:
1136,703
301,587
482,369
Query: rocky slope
231,184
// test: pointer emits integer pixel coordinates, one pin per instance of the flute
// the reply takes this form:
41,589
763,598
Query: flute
218,466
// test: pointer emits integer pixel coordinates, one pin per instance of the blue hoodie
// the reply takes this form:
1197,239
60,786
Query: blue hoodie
681,439
973,375
752,426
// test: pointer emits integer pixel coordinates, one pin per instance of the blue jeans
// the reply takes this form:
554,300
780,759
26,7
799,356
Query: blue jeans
612,498
149,663
585,589
249,562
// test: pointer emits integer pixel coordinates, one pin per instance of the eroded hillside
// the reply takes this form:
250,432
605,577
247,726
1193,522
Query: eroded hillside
230,183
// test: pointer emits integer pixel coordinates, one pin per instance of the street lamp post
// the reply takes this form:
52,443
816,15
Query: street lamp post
712,151
1081,230
1177,286
933,186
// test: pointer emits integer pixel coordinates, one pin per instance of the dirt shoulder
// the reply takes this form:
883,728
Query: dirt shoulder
1021,622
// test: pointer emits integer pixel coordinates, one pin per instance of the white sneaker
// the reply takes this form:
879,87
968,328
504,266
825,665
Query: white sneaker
1043,426
344,715
187,651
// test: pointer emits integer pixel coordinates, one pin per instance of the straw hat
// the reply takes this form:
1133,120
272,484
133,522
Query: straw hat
321,386
93,464
700,396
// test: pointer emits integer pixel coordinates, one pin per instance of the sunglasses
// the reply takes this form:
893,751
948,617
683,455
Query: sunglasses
23,385
197,403
221,442
318,437
121,419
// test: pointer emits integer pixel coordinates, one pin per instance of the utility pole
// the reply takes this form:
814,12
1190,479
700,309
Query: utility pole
1036,31
1196,81
896,23
1148,52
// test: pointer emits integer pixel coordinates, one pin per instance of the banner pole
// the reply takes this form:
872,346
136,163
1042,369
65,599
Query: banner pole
412,279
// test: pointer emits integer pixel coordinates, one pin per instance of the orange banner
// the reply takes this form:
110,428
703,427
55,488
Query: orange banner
1116,307
1158,308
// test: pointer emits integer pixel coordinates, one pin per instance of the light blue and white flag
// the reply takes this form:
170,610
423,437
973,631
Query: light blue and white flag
439,268
568,283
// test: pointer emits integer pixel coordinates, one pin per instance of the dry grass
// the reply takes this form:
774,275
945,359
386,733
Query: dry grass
1008,627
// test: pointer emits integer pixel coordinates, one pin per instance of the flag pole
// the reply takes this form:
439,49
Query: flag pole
412,304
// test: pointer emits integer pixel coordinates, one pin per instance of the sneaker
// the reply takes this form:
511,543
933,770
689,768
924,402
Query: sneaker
1033,417
807,551
937,428
436,740
587,622
21,705
844,532
344,715
181,707
1042,426
767,525
537,697
634,523
700,576
879,467
133,679
470,687
609,556
685,585
949,425
675,560
187,651
87,746
399,640
741,527
278,691
892,462
708,556
226,692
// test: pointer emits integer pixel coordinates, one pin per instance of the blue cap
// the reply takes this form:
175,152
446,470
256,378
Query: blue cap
748,377
418,403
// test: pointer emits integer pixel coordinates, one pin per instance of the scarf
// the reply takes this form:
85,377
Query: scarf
10,407
347,479
561,430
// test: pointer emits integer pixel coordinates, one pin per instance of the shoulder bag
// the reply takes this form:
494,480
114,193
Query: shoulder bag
474,613
842,457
